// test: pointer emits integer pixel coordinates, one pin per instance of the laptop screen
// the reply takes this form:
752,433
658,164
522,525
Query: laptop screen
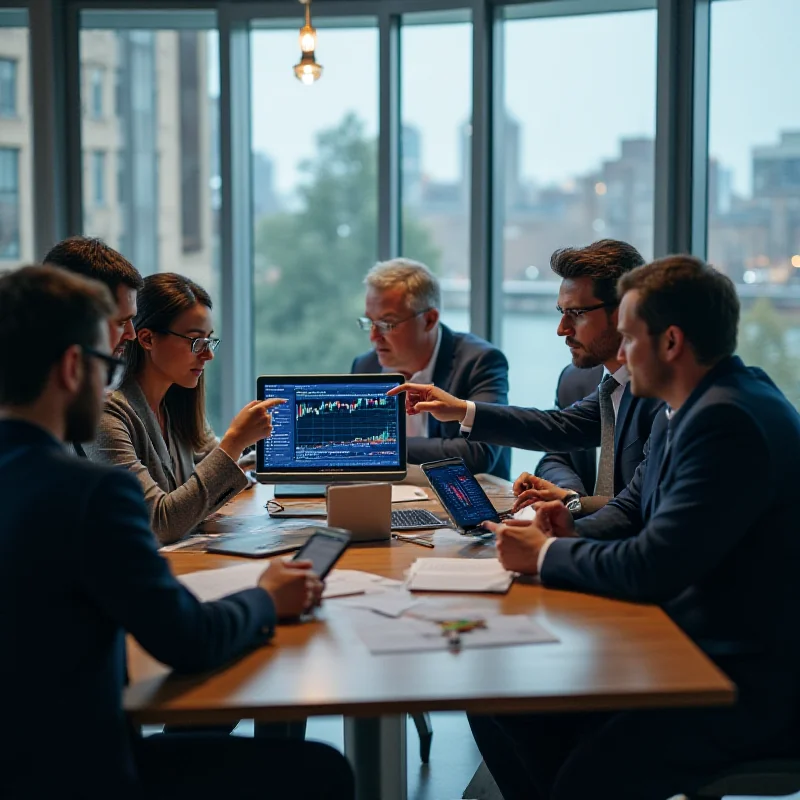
333,427
461,494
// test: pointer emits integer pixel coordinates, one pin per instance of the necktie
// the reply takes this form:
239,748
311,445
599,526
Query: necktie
605,469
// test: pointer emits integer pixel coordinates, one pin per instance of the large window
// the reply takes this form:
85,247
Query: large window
314,173
754,176
577,165
149,156
16,137
9,203
435,152
8,87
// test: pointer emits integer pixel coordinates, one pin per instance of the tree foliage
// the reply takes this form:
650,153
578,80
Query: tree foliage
763,342
310,262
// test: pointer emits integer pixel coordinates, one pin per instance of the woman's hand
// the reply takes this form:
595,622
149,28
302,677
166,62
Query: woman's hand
250,425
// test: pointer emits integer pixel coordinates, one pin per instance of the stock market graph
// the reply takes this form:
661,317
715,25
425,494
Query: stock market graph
355,425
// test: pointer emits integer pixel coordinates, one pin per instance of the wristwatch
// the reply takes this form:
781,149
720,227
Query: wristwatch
573,502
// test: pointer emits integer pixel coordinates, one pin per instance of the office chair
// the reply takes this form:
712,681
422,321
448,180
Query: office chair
422,722
772,778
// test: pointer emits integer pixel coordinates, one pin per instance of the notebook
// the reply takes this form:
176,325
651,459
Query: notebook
458,575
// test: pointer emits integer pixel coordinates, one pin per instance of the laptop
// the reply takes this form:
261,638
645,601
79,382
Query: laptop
261,545
462,496
332,429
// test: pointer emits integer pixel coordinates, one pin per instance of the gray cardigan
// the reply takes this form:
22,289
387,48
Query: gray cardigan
129,436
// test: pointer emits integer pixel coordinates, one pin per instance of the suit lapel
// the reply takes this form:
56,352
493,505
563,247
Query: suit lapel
627,408
135,397
442,372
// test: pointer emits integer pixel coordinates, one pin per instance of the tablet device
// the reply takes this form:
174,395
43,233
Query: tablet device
333,428
324,549
461,495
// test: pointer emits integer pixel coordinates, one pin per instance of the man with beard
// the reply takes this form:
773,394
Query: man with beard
70,591
94,259
610,417
724,571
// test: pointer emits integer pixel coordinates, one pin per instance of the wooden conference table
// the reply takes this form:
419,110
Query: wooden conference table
610,655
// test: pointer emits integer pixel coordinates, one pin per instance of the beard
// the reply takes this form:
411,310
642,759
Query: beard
83,413
602,349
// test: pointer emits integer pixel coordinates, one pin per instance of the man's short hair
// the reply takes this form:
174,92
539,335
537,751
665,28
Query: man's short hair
419,283
690,294
604,262
43,311
93,258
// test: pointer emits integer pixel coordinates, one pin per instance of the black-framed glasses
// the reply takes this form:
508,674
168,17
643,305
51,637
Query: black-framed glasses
383,327
200,344
115,366
577,314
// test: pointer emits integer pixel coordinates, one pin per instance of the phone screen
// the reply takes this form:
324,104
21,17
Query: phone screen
323,551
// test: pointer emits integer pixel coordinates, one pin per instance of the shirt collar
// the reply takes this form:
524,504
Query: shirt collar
425,375
621,376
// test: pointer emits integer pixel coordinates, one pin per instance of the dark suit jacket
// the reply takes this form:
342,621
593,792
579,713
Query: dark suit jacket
576,470
472,369
78,570
575,428
708,529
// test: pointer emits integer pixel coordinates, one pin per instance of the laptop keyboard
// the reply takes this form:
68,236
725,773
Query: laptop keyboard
407,519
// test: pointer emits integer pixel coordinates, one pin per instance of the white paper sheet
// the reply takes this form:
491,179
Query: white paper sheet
391,602
406,635
405,494
211,584
458,575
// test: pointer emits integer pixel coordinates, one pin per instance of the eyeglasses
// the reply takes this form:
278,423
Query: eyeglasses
115,366
200,344
577,314
383,327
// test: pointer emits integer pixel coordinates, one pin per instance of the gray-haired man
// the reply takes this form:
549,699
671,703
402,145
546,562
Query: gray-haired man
402,307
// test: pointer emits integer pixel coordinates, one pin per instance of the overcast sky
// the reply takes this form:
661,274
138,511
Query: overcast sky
576,85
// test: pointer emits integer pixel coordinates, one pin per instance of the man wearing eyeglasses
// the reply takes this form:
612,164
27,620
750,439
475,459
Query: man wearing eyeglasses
80,570
610,417
402,316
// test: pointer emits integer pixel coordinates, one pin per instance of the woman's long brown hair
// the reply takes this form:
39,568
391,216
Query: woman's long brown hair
160,301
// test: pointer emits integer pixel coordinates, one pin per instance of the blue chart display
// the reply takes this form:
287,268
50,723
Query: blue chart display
336,427
461,494
348,426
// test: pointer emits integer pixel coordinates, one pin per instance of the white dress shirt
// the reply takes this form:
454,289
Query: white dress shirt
622,377
417,424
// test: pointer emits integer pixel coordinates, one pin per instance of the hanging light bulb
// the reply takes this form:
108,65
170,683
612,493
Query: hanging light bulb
307,70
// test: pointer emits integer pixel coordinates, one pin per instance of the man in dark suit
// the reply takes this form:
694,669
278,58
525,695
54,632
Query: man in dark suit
687,534
79,569
575,470
613,419
402,315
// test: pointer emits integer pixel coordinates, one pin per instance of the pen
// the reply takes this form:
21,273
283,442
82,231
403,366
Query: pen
413,539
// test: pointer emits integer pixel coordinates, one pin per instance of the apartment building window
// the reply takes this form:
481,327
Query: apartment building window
99,178
97,79
191,139
9,203
8,87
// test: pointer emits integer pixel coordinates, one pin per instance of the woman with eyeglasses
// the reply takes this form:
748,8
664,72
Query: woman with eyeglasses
155,423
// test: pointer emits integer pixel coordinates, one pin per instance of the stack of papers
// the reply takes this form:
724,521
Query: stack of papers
458,575
211,584
408,635
405,494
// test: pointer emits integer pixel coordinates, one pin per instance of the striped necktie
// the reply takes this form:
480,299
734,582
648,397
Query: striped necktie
605,469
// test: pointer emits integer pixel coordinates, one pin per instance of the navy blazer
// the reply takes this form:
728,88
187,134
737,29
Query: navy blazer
470,368
708,529
576,470
575,428
78,570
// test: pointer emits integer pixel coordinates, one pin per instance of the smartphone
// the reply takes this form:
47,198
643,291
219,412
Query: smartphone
324,549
